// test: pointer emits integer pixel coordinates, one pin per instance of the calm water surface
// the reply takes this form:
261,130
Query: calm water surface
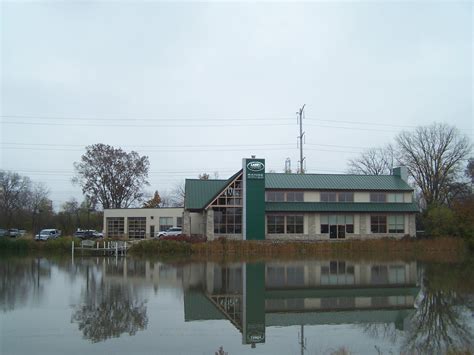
134,306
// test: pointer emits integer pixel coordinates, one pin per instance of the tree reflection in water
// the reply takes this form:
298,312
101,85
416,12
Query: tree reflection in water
110,309
439,323
20,279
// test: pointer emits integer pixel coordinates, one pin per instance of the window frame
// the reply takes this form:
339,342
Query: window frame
378,197
378,224
328,196
294,222
275,224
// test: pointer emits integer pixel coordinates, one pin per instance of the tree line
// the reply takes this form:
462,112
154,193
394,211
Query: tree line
25,204
436,157
441,169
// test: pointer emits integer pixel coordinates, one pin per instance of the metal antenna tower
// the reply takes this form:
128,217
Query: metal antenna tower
300,139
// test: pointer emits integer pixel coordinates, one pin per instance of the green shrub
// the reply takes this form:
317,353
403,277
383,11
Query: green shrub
440,221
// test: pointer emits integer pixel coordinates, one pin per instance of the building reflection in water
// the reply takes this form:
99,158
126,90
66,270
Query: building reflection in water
255,296
429,307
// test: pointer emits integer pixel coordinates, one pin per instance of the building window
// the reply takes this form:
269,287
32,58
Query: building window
166,223
115,227
275,224
179,221
337,225
378,224
295,224
328,197
395,197
345,197
378,197
136,227
275,196
295,196
396,224
227,209
232,195
228,220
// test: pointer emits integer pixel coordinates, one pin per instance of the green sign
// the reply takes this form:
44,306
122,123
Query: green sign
254,304
254,199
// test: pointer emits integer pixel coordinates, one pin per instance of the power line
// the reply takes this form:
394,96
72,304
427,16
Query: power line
200,119
185,145
146,125
113,119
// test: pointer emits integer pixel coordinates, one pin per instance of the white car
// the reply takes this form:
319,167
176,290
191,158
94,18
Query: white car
173,231
46,234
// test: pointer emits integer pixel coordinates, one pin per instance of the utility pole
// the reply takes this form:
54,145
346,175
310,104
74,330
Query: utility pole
302,340
300,138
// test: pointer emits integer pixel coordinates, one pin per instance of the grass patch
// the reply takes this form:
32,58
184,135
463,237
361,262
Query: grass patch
432,249
161,247
26,245
443,249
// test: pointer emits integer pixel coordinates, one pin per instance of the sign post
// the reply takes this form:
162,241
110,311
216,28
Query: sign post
254,199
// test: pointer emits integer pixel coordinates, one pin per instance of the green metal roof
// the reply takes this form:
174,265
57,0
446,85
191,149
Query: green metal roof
339,207
198,307
199,193
335,182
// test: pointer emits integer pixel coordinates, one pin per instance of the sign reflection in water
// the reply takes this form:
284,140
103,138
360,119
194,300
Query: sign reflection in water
421,308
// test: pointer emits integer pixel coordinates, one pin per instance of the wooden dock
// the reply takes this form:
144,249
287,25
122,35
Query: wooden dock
116,248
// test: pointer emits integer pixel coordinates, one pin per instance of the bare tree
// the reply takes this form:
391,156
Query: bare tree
469,172
38,202
114,177
433,155
373,161
14,192
176,197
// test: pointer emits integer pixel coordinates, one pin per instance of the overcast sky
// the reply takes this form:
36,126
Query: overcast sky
198,86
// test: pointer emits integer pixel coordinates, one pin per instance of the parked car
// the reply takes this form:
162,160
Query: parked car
85,234
3,232
13,232
98,234
173,231
46,234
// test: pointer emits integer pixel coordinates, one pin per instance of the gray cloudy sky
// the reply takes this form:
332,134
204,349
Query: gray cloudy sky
198,86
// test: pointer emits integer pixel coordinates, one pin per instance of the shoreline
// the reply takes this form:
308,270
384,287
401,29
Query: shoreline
445,249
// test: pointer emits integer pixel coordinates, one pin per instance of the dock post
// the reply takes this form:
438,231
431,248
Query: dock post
72,252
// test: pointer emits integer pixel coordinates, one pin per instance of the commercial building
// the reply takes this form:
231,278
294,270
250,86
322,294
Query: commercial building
255,205
140,223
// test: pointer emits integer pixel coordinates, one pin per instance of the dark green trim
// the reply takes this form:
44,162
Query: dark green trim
340,207
341,292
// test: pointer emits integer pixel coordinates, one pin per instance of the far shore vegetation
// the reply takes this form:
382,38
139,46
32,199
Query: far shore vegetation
448,249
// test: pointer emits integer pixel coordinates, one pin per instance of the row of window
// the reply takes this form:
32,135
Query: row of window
336,225
137,226
284,196
331,196
280,224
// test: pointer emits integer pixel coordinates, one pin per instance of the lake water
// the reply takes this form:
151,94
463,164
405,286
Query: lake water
135,306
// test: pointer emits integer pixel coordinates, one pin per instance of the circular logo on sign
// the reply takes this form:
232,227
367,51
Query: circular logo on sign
255,166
